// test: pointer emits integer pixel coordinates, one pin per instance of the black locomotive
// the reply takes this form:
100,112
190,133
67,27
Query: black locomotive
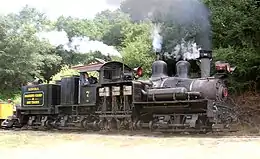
118,100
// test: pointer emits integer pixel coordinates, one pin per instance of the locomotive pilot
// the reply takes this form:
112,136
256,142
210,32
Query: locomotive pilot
89,80
86,78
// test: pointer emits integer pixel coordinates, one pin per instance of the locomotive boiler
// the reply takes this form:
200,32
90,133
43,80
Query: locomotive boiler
119,100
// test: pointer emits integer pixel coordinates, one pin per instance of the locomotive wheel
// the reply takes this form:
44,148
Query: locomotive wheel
110,124
84,124
151,127
127,124
139,124
48,124
56,124
133,125
113,124
103,124
130,124
100,124
95,125
118,124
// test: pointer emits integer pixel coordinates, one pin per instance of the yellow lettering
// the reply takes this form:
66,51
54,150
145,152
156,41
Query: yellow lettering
33,98
32,102
35,102
34,89
32,95
28,95
28,102
38,95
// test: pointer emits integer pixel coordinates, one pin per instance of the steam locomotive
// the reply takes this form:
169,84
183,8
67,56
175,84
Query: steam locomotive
119,100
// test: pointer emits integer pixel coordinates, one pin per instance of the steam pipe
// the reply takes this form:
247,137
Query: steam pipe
157,55
146,82
169,94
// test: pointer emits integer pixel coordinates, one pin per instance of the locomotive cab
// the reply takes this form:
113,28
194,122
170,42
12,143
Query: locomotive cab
115,88
88,87
78,93
114,71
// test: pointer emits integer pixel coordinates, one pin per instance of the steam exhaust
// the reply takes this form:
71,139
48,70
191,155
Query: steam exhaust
157,41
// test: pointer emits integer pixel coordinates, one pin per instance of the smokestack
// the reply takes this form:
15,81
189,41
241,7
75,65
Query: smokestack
182,69
205,58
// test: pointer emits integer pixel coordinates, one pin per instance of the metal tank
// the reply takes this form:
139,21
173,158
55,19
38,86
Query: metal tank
210,88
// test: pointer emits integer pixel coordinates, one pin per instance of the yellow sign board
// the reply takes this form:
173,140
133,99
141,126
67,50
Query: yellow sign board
33,98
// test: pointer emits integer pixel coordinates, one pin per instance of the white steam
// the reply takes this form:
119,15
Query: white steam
78,44
188,50
157,39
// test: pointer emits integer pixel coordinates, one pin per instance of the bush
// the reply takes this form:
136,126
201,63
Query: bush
247,74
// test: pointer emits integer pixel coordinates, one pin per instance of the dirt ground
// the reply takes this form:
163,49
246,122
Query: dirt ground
42,145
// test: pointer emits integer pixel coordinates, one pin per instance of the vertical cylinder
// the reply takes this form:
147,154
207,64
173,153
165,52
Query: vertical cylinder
205,61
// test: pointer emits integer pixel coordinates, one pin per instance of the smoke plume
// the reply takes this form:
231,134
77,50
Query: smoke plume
78,44
187,50
189,18
114,2
157,39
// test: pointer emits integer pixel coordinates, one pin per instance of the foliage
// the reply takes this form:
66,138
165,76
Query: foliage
23,56
247,62
235,23
111,24
65,72
236,35
137,46
75,27
20,50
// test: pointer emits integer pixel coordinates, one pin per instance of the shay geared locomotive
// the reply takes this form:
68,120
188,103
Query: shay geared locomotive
118,100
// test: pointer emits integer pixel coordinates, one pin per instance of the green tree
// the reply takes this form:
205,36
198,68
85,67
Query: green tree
137,46
110,24
51,64
236,34
22,55
75,27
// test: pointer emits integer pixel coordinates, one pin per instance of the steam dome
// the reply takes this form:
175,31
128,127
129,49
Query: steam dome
159,69
183,69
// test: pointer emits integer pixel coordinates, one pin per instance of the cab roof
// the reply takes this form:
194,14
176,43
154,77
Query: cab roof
88,68
98,66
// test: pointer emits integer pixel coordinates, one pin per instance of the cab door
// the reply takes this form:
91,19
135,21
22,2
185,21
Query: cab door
88,94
